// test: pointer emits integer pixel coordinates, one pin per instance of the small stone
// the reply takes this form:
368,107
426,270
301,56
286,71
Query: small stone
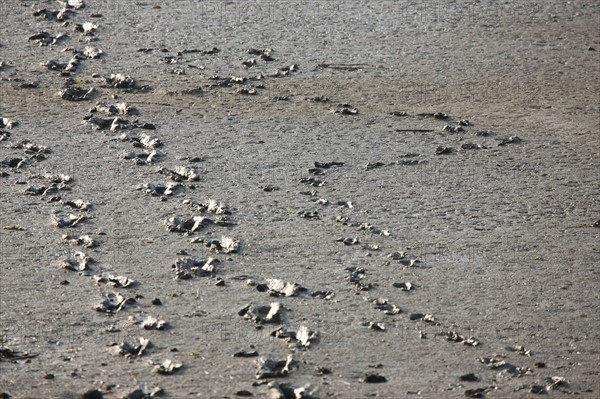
374,379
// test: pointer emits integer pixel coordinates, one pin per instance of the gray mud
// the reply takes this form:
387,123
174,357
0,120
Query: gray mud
421,181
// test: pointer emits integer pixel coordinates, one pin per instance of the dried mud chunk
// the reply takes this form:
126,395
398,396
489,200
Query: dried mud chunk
422,317
374,326
116,281
180,173
375,165
538,389
119,80
46,39
246,91
30,147
386,307
453,129
346,111
143,392
285,71
92,394
373,379
404,286
166,367
407,263
269,188
77,262
356,276
311,181
556,382
119,123
77,93
75,4
476,392
318,99
229,245
348,240
12,162
226,245
145,125
60,179
212,51
132,347
148,323
347,204
99,123
113,302
302,336
373,229
442,150
519,349
11,356
255,51
510,140
186,268
143,140
453,336
157,189
78,204
13,227
43,190
54,65
287,391
436,115
70,220
112,109
49,14
212,206
145,157
328,295
34,190
8,124
308,214
278,287
270,367
262,313
87,28
245,354
498,363
92,52
193,224
327,165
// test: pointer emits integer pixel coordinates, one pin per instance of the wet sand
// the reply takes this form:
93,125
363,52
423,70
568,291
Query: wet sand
496,237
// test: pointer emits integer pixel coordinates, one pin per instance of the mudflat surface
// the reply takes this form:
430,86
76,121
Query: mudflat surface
497,240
